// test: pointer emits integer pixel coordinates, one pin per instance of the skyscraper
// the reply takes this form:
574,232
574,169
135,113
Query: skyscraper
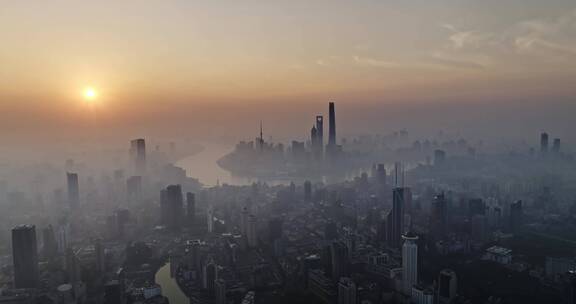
516,215
439,217
439,157
409,261
73,189
25,255
251,232
307,191
397,217
340,260
100,256
346,291
544,143
138,155
72,266
220,291
381,175
134,188
209,275
210,219
172,207
332,125
190,207
447,286
556,145
50,247
320,136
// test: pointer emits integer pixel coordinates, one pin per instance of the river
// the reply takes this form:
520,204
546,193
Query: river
203,166
170,288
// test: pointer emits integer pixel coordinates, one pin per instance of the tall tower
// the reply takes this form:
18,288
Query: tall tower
340,260
439,217
346,291
252,232
25,255
544,142
172,206
556,145
447,286
409,261
73,189
261,138
397,217
220,291
320,133
138,155
332,125
307,191
190,207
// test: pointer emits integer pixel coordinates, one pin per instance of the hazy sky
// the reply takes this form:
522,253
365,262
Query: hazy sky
151,60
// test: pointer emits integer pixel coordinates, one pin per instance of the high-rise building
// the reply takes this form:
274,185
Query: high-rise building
307,191
114,292
447,286
476,206
172,207
134,188
73,189
275,230
72,266
331,125
100,256
439,157
50,246
397,218
347,291
381,175
210,219
556,145
62,236
209,275
252,232
439,217
320,136
138,155
409,261
220,291
544,143
516,215
340,260
190,207
244,214
25,256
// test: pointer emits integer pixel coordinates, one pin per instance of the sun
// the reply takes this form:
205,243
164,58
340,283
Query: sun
90,94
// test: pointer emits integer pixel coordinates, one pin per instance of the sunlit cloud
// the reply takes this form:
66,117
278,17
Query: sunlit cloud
374,62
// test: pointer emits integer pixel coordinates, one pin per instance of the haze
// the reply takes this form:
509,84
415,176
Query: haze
203,68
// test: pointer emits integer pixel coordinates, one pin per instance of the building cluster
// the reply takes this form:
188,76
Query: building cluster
463,228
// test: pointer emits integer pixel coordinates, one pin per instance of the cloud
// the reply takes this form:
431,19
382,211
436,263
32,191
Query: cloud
374,62
554,37
457,63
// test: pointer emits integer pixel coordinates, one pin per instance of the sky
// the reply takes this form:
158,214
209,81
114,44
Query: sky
213,68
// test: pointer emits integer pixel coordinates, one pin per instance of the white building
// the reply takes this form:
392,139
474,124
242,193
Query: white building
499,255
409,262
421,295
346,291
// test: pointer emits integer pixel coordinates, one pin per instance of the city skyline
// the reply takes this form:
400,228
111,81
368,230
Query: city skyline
304,151
144,63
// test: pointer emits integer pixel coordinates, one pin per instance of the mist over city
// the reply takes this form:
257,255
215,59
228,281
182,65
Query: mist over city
248,152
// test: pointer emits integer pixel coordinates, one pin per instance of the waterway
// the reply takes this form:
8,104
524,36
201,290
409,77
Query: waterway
204,167
170,288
